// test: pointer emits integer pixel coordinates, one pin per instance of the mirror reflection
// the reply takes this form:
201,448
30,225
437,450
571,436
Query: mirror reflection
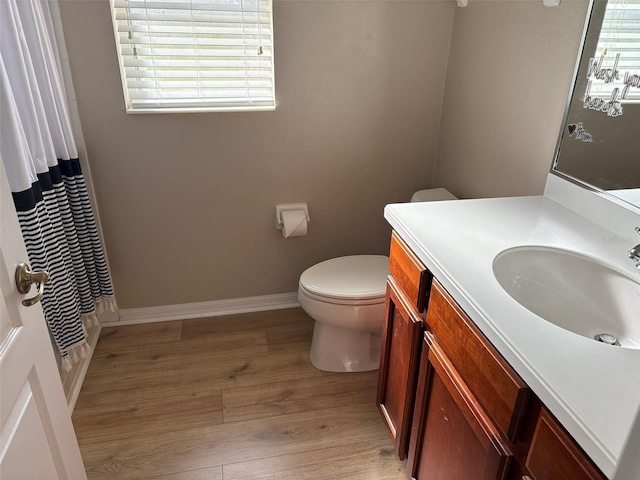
600,142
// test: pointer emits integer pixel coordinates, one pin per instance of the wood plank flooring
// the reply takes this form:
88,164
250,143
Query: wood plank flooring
227,398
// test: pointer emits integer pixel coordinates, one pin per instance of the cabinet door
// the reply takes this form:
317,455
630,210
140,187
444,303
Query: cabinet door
399,358
555,456
452,437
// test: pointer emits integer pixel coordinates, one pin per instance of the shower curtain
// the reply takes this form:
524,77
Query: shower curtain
49,192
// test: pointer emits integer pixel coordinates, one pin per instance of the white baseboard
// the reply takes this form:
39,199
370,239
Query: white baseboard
184,311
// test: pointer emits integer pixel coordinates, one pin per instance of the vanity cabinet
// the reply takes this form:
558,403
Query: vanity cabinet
407,290
502,394
470,403
449,399
452,436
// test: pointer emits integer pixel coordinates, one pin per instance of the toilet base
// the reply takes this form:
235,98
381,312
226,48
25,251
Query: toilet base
336,349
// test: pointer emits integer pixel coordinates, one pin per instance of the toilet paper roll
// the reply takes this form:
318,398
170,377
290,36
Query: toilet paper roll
294,223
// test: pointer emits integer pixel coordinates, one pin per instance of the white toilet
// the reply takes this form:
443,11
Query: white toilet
346,298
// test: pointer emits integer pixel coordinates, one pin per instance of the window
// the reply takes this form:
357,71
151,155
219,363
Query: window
616,61
195,55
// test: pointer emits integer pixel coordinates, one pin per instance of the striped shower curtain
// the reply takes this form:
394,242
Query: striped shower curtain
41,160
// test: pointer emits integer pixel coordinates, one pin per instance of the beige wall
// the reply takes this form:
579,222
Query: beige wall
363,119
510,69
187,201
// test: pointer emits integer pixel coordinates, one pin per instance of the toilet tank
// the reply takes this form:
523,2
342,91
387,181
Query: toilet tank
432,194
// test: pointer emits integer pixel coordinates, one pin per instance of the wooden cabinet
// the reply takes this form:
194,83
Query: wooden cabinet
411,276
407,290
554,455
452,436
496,386
400,354
470,403
449,399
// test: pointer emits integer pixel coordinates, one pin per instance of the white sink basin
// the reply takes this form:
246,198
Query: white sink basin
574,292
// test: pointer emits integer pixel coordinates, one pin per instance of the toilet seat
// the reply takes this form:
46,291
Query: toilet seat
350,280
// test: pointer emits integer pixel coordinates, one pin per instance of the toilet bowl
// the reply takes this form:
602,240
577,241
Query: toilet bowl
346,298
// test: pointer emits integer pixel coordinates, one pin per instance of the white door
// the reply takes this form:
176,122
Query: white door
37,441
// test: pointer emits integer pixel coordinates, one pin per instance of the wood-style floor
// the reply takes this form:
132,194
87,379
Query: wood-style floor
227,398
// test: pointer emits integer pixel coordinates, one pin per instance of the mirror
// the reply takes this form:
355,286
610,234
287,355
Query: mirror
599,146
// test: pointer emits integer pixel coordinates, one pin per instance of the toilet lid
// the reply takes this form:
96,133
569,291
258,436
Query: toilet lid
352,277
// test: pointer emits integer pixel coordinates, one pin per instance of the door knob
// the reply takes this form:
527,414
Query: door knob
25,277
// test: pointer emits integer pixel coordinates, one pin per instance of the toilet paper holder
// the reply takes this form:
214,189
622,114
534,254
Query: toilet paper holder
284,207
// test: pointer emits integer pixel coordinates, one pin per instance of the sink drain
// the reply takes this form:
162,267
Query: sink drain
607,338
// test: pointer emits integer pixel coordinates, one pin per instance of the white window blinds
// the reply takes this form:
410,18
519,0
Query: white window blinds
195,55
618,50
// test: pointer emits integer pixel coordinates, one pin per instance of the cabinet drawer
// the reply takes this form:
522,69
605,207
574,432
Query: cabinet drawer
498,388
410,274
555,456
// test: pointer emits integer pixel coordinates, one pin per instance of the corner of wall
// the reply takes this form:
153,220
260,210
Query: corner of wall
436,161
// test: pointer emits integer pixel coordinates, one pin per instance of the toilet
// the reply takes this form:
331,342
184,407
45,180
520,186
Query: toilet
346,298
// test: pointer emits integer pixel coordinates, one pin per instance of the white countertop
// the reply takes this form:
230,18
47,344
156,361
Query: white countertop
593,389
